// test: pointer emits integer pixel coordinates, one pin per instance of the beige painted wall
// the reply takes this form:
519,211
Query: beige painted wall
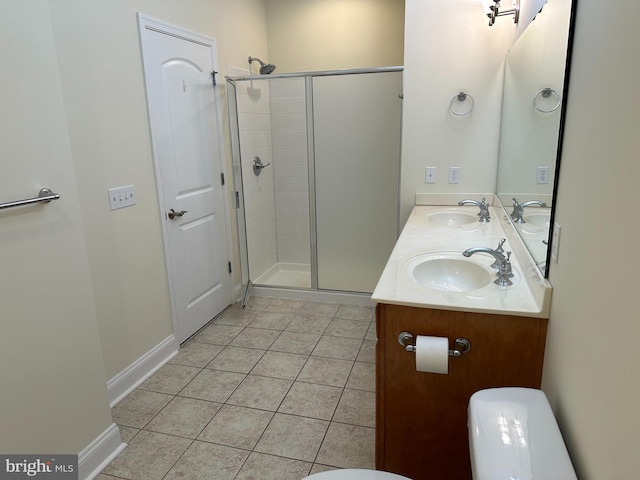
591,363
334,34
97,45
449,48
53,396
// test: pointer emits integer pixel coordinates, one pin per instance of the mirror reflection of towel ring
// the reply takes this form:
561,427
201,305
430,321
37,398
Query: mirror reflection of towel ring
546,93
461,98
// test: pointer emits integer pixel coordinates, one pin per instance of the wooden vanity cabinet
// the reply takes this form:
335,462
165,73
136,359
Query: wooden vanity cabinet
421,418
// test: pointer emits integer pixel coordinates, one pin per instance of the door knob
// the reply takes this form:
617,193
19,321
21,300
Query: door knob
172,213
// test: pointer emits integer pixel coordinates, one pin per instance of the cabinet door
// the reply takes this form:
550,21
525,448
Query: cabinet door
422,417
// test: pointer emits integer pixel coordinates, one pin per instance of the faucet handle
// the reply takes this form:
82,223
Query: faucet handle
497,263
505,272
516,214
484,212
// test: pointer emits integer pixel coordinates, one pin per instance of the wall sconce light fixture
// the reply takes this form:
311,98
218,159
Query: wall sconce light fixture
494,9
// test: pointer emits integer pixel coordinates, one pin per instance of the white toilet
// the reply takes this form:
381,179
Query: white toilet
513,435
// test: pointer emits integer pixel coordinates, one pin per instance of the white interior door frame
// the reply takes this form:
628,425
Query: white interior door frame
149,23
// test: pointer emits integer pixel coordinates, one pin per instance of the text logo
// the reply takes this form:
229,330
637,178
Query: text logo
43,467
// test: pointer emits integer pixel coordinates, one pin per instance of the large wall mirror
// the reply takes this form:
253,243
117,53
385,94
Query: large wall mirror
535,69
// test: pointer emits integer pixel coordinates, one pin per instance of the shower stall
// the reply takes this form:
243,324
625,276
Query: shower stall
316,159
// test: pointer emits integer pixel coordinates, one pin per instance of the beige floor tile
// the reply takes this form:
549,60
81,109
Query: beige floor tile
218,334
371,332
212,385
238,427
127,433
149,456
357,407
311,400
170,379
208,461
236,359
280,365
340,327
284,305
269,467
295,342
272,321
260,392
293,437
367,352
256,304
194,354
259,338
326,371
363,377
353,312
184,417
139,407
319,309
317,468
309,324
348,446
237,317
338,347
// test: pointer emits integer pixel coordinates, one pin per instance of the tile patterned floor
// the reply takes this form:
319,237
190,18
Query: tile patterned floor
279,390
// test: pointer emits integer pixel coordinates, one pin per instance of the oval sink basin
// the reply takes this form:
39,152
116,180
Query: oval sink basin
452,218
538,219
446,274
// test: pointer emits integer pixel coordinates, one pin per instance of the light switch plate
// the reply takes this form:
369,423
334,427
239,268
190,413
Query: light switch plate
430,175
120,197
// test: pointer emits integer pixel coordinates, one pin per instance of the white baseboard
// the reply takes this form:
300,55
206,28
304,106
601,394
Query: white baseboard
100,453
128,379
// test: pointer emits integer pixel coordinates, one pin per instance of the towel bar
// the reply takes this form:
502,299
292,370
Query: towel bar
44,195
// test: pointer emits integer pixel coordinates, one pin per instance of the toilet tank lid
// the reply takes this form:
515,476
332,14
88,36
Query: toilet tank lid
513,435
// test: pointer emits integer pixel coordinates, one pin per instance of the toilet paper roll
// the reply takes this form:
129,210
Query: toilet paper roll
432,354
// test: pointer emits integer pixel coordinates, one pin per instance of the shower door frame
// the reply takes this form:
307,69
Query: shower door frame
246,283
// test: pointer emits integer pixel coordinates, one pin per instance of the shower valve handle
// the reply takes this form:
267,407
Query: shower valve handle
258,165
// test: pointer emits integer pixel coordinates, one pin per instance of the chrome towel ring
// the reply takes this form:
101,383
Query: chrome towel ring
462,98
546,93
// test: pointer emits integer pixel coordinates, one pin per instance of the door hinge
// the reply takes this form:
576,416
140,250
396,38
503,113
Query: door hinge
229,267
237,199
222,178
213,76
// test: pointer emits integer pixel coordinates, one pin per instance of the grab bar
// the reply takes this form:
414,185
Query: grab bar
44,195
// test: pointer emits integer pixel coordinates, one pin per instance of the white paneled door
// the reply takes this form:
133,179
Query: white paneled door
184,110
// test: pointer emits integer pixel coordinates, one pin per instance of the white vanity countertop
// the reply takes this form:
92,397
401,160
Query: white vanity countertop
529,296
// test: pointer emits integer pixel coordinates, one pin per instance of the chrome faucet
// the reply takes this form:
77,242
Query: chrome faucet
504,265
484,209
518,209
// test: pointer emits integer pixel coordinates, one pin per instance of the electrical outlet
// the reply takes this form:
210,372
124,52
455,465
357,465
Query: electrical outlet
542,175
555,241
430,175
120,197
454,174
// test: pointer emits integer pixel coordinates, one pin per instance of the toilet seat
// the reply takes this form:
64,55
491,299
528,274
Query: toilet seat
355,474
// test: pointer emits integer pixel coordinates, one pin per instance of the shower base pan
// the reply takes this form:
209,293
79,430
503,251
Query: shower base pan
297,275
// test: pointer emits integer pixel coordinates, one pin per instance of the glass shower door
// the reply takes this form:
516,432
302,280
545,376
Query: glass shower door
238,196
357,135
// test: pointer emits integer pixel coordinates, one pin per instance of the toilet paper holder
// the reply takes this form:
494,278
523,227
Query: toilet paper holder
463,344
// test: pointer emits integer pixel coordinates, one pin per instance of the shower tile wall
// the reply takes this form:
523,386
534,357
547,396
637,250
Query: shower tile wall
289,140
254,120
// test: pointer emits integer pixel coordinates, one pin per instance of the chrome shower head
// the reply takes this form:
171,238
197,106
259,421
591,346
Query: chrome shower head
265,68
